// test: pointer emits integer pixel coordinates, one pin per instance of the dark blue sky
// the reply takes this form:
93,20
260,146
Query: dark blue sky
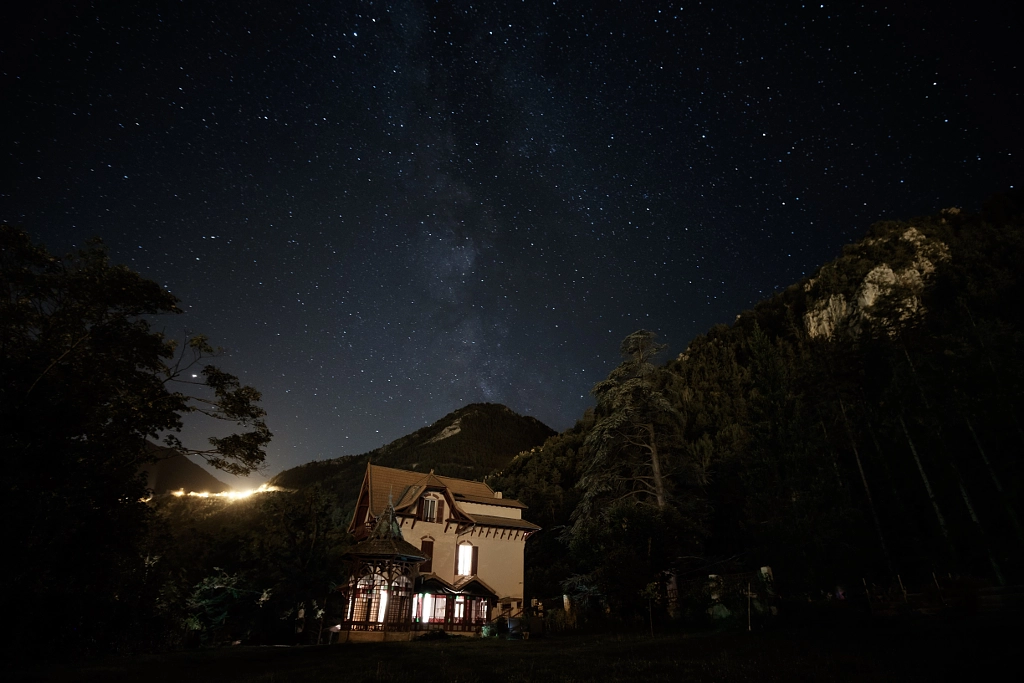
387,210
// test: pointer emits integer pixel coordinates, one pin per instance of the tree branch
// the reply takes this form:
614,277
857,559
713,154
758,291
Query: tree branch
57,360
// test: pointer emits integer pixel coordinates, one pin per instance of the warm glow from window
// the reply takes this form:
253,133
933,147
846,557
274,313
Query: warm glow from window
465,560
428,606
382,609
440,608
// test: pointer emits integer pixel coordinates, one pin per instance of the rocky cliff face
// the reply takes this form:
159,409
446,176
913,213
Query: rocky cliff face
888,294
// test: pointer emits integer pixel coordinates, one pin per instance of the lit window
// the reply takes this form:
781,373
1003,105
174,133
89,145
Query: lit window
466,560
382,610
435,608
428,607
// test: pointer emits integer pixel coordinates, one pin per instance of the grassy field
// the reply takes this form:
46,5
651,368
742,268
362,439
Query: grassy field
931,651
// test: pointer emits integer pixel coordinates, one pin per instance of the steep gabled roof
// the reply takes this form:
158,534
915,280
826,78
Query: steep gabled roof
384,484
406,487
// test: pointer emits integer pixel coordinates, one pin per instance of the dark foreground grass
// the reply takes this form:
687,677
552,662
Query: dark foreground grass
931,651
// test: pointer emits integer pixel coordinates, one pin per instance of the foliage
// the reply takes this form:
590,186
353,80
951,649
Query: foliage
818,478
811,453
627,444
627,524
214,598
84,384
285,546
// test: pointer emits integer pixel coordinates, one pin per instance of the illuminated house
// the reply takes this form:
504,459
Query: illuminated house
466,539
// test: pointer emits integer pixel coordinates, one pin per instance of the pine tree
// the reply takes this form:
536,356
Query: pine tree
628,445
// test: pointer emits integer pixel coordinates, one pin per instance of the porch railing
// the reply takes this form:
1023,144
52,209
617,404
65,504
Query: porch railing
454,626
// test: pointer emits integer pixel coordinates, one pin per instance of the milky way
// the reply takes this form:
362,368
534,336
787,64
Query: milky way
385,211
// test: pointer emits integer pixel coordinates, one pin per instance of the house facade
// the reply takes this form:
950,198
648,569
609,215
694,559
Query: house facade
471,538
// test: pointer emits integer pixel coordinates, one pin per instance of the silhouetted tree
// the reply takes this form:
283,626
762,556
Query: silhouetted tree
627,445
84,385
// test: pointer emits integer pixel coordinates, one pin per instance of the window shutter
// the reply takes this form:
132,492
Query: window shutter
428,550
457,559
476,553
419,510
440,510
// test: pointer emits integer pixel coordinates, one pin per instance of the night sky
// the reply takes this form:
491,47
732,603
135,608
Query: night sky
387,210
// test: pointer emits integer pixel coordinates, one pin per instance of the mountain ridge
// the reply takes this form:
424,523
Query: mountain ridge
173,471
469,443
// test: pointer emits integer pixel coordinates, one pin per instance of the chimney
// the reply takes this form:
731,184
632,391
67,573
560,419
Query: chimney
497,494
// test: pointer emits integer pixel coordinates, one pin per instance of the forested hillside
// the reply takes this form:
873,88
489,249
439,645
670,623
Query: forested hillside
862,423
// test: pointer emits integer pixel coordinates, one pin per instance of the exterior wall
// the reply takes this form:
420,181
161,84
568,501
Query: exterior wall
443,563
499,561
493,510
